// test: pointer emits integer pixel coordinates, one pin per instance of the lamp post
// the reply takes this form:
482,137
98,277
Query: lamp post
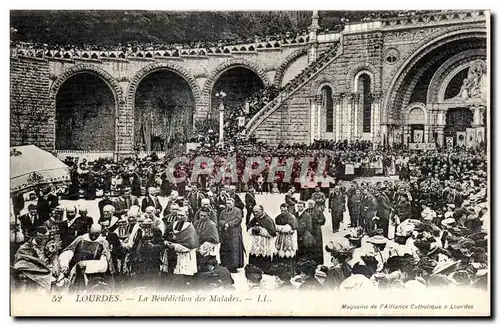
221,95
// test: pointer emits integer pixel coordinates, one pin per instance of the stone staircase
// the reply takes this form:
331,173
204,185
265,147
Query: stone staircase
293,86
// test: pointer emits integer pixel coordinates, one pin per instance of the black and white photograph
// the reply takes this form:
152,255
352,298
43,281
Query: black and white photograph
260,163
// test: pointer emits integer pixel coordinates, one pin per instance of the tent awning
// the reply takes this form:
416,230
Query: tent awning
31,167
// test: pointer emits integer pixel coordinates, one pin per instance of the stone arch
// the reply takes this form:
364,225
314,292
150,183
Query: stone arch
415,105
226,65
179,70
421,50
318,84
447,71
364,68
320,87
86,68
112,83
280,72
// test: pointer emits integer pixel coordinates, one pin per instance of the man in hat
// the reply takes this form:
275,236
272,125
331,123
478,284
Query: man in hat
231,250
286,239
116,248
305,239
76,226
319,198
57,227
354,206
30,221
47,202
384,211
262,230
368,209
206,206
290,200
144,252
125,201
106,200
208,235
87,254
151,200
183,242
238,203
173,199
36,263
318,220
194,198
336,205
403,209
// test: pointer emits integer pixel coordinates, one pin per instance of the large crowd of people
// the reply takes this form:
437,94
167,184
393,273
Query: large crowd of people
350,17
426,227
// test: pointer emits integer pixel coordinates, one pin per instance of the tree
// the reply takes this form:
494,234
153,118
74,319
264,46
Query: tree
27,116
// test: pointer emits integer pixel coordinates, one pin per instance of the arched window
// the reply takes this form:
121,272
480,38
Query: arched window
416,116
327,99
365,100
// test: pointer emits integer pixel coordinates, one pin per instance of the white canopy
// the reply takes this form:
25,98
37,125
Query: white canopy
31,166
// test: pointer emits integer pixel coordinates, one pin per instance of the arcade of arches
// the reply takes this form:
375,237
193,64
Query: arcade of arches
164,108
442,98
239,84
85,114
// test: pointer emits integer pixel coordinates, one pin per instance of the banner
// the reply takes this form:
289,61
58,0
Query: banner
470,140
449,141
461,138
418,136
417,146
480,135
349,169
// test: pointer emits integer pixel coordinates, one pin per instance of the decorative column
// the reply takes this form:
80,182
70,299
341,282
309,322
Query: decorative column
312,120
356,115
440,123
337,115
375,129
347,131
319,107
406,135
477,122
313,37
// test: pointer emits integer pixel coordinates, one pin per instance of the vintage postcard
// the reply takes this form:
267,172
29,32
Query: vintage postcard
250,163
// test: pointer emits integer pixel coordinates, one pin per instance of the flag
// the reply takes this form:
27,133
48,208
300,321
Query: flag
449,142
470,140
460,138
418,136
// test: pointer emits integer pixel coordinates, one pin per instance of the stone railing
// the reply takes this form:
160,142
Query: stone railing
28,51
291,87
444,17
362,27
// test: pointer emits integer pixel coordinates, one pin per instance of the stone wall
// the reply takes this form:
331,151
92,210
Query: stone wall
29,103
359,52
